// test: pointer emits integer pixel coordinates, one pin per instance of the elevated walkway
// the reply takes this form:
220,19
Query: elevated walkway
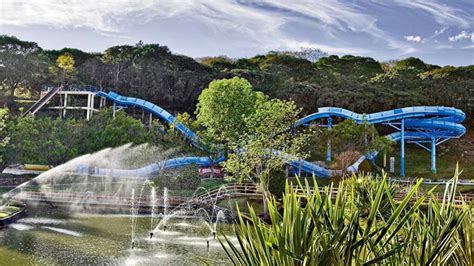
66,96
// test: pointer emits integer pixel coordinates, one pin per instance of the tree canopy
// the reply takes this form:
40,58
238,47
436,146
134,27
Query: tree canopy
309,77
224,108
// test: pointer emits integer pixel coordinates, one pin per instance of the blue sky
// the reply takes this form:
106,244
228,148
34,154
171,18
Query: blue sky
438,31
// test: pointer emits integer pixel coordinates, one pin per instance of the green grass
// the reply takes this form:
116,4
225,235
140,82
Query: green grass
6,211
418,163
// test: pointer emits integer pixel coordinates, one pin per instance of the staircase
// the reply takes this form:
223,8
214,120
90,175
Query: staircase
41,102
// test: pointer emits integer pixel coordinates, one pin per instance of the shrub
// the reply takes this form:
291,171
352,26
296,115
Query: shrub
186,178
276,185
357,227
365,166
45,140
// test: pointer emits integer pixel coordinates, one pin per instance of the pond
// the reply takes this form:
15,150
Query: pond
50,236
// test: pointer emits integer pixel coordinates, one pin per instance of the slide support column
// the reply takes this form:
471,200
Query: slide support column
65,105
402,149
433,155
328,151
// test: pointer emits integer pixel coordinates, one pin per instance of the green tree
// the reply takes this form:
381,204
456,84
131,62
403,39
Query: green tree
119,57
349,140
218,62
411,63
268,145
64,70
356,67
35,141
54,141
22,66
104,131
223,108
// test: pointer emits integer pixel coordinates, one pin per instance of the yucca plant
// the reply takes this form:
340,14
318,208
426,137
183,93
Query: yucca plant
355,227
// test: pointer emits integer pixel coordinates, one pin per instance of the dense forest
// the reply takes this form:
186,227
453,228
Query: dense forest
311,78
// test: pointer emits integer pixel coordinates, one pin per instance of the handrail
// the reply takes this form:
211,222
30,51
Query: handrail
232,191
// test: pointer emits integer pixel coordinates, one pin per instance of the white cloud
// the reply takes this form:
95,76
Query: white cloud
440,31
115,17
442,13
263,28
463,35
413,38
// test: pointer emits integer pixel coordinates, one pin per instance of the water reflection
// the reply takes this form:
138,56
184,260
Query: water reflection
49,238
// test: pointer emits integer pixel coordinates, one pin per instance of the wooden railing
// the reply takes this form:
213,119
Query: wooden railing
207,197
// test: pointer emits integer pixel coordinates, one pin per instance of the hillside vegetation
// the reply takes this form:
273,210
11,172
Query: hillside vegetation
150,71
174,82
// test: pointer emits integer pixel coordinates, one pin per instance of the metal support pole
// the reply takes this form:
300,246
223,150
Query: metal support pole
402,149
433,155
60,103
328,151
65,105
384,160
92,104
113,110
151,119
88,111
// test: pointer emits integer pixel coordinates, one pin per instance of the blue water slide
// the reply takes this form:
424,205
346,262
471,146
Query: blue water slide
438,113
152,108
149,170
168,118
421,123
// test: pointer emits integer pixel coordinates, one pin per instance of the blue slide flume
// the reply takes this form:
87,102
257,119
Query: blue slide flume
152,108
149,170
419,124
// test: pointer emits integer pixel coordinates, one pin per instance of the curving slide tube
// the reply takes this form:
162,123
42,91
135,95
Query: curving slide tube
418,124
149,170
152,108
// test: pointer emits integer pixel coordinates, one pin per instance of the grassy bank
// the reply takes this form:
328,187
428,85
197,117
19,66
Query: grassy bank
418,163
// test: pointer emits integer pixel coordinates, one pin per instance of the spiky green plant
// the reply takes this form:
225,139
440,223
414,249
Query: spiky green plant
355,228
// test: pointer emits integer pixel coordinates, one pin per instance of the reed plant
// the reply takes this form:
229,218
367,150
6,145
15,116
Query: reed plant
366,222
